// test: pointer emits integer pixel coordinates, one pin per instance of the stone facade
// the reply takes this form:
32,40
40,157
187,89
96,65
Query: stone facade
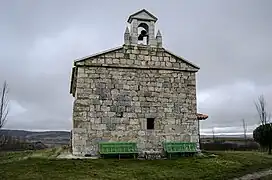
118,90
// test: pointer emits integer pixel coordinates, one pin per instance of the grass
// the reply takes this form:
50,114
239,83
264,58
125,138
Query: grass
225,166
269,177
6,157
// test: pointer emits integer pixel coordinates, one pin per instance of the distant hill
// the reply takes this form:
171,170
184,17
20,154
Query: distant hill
50,138
58,138
250,136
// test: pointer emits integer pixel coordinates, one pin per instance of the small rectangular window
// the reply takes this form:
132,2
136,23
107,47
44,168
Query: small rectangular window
150,123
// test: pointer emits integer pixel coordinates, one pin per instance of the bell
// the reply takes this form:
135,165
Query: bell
142,35
143,32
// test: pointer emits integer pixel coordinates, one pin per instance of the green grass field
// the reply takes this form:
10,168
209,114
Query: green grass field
266,178
14,166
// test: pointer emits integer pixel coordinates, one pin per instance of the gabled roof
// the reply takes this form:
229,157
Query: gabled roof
120,47
99,53
143,15
181,58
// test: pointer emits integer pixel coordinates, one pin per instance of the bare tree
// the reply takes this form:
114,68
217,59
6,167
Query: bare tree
262,110
4,105
261,134
245,131
213,134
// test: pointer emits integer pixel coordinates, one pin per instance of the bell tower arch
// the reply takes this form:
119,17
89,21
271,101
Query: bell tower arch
142,30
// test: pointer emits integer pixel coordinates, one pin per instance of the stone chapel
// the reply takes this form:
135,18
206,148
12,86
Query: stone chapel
138,92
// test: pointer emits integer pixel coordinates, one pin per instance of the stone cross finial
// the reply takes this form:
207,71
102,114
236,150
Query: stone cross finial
159,39
127,36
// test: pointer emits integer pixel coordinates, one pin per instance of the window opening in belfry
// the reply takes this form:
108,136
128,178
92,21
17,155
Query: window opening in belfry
143,34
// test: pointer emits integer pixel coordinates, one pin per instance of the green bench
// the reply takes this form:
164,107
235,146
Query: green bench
118,148
183,148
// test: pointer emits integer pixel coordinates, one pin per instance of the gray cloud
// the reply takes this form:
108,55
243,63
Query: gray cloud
229,40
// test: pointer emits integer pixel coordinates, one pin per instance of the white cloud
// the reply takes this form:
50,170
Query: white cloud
228,130
15,108
227,93
227,105
54,54
232,49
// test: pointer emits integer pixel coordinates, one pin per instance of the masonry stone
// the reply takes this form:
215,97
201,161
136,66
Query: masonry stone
117,91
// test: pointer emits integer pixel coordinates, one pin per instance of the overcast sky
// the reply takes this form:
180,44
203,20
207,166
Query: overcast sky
230,40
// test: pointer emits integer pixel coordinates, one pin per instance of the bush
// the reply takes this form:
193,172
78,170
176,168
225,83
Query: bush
20,144
223,146
263,135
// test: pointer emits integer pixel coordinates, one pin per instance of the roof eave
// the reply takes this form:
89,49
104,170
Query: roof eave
72,81
97,54
183,59
143,10
202,116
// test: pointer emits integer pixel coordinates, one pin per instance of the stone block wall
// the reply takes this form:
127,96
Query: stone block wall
116,93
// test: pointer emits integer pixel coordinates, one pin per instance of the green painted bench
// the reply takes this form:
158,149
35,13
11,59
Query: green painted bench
179,148
118,148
